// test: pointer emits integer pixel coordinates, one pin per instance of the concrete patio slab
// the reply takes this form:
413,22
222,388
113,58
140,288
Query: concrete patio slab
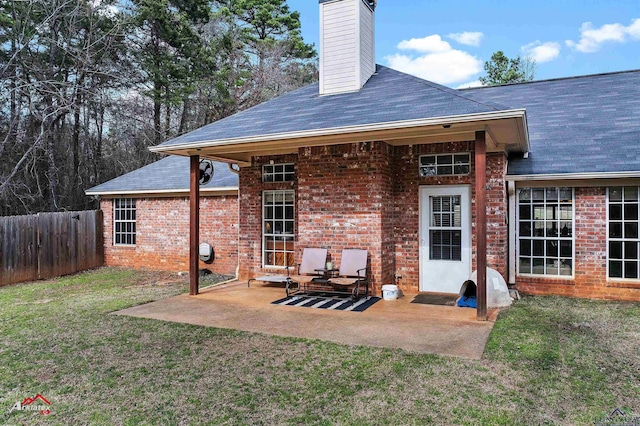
400,324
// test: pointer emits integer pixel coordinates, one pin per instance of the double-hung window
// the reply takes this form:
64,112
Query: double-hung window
124,221
623,232
545,231
278,219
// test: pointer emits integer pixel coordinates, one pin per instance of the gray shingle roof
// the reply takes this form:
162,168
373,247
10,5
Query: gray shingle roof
388,96
170,173
576,125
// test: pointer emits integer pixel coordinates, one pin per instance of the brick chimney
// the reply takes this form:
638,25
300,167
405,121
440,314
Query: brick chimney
347,45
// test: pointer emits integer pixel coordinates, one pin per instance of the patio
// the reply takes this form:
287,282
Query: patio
401,324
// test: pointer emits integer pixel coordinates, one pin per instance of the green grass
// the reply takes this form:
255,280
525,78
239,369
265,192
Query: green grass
549,361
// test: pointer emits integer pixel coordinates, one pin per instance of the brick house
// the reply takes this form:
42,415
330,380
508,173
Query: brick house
146,217
538,181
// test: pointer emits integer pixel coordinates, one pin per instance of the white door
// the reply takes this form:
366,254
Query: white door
445,238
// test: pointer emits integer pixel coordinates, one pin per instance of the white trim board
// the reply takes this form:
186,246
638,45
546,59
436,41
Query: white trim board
574,176
393,125
163,192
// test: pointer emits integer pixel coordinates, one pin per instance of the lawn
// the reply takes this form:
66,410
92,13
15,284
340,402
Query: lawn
549,361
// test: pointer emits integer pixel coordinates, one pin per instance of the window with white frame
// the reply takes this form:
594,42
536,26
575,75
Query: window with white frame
623,232
124,221
545,231
446,228
445,164
278,173
278,232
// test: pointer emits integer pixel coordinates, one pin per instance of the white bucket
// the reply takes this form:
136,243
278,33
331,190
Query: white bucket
390,292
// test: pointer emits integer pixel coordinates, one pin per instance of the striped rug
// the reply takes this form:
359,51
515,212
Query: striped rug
331,303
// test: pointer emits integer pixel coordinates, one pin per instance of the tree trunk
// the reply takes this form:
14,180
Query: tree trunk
75,147
52,176
157,127
48,121
167,117
183,117
97,164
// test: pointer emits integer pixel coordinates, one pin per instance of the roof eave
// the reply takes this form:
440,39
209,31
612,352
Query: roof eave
522,139
162,192
574,176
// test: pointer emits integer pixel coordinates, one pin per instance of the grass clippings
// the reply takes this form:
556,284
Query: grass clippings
549,360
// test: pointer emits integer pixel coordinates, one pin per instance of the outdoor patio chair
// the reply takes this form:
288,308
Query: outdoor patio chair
313,262
353,272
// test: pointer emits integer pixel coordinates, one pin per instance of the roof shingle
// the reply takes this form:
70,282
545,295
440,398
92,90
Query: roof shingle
389,96
170,173
588,124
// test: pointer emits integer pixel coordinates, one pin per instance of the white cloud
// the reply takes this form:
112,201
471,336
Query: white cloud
634,29
437,61
429,44
592,39
475,83
542,52
468,38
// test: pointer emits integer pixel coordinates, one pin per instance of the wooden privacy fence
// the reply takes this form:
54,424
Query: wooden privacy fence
48,245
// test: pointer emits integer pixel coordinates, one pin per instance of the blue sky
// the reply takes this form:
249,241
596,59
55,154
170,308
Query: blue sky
447,41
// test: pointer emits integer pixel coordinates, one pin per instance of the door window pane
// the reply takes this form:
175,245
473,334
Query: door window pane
445,235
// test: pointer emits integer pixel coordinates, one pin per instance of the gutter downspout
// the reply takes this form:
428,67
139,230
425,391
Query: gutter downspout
511,246
238,244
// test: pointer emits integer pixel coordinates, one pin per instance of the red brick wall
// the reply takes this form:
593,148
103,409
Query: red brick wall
407,202
344,201
162,240
590,280
497,214
365,195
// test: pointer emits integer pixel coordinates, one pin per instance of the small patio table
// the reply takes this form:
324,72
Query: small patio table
269,279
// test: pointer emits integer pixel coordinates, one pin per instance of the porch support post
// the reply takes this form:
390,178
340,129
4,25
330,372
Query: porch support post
194,225
481,223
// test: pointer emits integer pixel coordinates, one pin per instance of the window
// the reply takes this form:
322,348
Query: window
446,228
124,221
278,173
623,232
278,228
545,231
445,164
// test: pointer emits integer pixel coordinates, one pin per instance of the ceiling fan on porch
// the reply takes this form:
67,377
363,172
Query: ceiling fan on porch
206,172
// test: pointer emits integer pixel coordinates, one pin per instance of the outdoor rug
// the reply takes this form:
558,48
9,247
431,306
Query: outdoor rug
331,303
435,299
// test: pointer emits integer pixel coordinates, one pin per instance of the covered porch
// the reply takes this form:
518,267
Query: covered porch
368,195
444,330
350,172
